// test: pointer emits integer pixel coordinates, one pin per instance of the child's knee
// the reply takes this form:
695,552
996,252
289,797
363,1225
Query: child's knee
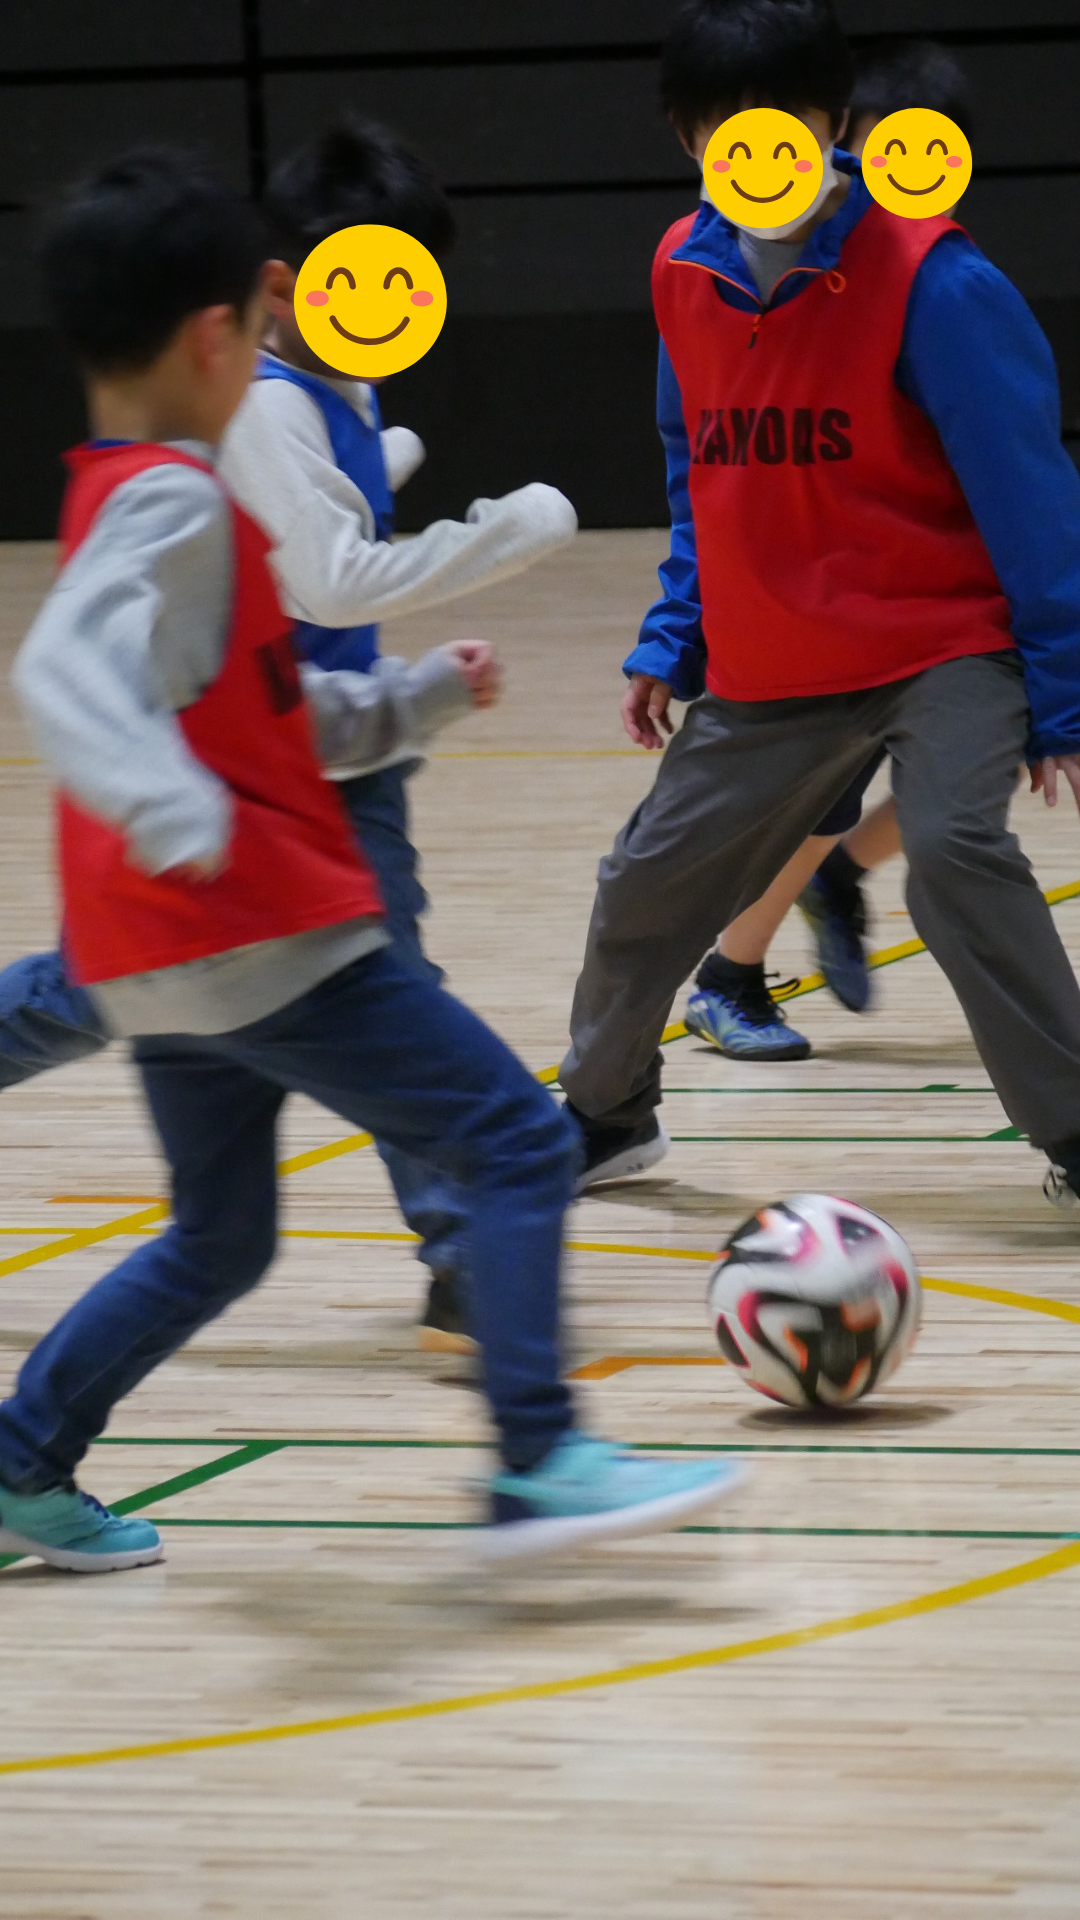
238,1255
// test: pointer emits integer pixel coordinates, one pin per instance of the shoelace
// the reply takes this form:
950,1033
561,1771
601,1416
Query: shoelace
96,1506
757,1002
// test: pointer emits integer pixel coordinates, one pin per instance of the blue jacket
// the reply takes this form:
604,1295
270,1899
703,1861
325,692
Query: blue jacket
358,451
977,363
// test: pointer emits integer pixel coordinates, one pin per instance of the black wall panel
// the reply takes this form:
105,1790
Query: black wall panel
504,125
560,253
53,34
544,122
48,133
956,16
320,27
1030,228
1027,103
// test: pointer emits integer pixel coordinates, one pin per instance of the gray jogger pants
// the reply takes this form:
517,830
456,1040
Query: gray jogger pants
740,788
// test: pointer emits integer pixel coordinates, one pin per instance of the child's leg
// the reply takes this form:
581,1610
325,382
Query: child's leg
876,838
216,1121
45,1019
393,1054
738,791
747,939
972,895
377,805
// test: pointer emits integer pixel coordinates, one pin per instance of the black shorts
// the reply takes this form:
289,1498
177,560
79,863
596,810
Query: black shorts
847,811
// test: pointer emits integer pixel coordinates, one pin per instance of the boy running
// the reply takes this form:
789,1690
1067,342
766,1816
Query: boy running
309,459
876,544
218,911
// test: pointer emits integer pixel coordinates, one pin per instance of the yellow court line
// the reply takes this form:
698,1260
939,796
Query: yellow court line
1041,1568
132,1223
142,1222
317,1155
83,1237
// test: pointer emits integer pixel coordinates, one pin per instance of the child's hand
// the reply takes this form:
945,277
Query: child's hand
475,661
1044,776
645,710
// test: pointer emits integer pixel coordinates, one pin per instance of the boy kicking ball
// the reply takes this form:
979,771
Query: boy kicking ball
218,910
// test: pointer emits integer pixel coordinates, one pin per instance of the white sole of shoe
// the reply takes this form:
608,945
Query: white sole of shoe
622,1166
72,1561
519,1541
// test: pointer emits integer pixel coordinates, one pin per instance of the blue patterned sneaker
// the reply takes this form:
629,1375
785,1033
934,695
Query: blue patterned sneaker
587,1491
834,907
67,1528
733,1009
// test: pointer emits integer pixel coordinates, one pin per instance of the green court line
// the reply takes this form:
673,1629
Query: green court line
846,1139
180,1482
196,1476
808,1533
974,1092
639,1446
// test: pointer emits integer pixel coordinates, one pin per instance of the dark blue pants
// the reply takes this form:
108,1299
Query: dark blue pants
377,805
46,1021
389,1052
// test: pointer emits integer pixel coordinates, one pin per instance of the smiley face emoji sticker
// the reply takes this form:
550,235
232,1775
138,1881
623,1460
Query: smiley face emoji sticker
369,301
763,168
917,163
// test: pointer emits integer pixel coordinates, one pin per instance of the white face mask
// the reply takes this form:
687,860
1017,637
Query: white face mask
829,179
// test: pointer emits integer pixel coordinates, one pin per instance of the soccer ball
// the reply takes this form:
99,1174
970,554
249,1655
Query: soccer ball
815,1301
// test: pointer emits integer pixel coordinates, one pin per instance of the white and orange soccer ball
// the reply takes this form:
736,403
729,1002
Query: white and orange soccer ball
815,1301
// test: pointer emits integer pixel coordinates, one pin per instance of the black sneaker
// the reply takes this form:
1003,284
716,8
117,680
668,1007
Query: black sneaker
443,1326
615,1153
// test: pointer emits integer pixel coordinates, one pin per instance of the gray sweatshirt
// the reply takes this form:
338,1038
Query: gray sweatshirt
133,632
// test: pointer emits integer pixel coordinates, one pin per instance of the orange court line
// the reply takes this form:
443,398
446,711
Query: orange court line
621,1362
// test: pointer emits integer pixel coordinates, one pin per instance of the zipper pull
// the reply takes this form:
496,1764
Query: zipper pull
758,318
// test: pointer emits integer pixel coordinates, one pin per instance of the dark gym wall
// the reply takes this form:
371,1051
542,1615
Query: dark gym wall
544,124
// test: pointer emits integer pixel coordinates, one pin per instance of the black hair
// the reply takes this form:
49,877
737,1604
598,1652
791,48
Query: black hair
133,249
723,55
896,74
355,174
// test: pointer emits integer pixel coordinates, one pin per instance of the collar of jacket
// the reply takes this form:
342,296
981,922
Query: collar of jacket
713,242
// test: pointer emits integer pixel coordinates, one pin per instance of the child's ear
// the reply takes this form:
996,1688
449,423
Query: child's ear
277,282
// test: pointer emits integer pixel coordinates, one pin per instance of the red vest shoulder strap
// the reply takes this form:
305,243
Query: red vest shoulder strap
98,471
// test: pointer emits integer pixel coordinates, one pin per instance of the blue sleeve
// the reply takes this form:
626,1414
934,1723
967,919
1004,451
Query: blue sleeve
976,361
670,646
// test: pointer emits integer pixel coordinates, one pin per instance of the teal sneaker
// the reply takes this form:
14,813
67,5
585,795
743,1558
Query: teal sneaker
588,1490
70,1529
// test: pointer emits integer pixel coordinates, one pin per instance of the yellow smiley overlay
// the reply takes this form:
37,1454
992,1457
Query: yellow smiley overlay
762,168
917,163
369,301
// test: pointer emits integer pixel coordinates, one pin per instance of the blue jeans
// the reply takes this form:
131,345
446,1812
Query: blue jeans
377,805
45,1020
387,1051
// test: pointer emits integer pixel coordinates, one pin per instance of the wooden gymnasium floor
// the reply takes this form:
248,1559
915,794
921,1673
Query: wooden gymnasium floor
857,1695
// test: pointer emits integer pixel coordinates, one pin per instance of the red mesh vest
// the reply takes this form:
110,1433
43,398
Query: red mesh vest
835,547
292,863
